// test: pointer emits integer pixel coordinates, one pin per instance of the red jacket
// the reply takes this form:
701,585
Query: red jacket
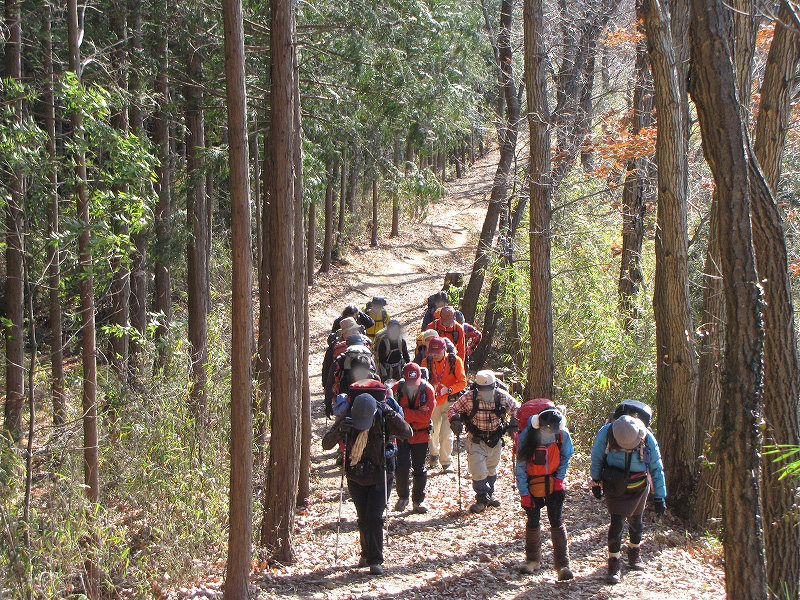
418,417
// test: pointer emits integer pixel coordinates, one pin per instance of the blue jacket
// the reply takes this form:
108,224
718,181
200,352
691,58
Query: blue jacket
652,460
341,405
520,470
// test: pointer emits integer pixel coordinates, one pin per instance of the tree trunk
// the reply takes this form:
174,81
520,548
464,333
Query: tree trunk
726,147
197,264
328,242
586,111
15,295
781,368
507,138
263,363
675,353
88,342
342,195
277,526
374,237
540,365
311,244
53,253
241,486
163,215
634,192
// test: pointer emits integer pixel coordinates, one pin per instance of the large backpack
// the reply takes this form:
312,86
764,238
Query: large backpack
634,408
373,459
616,481
490,438
342,375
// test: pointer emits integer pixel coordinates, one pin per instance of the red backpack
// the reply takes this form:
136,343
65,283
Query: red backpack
546,458
526,411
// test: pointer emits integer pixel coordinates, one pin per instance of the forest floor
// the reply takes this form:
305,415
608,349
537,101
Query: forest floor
446,553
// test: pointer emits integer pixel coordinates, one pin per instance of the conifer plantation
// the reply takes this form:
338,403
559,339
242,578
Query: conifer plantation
604,191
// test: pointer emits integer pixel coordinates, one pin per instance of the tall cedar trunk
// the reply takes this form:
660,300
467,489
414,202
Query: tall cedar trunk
634,191
374,236
726,146
241,485
163,213
676,364
120,282
255,155
709,388
88,342
53,254
197,263
352,178
781,368
311,244
507,137
540,365
15,307
264,322
277,526
342,195
138,274
327,247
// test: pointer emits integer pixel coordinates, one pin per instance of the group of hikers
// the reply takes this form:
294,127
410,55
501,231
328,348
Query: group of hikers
396,419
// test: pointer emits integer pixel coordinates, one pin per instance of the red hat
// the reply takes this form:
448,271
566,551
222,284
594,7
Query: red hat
412,372
437,344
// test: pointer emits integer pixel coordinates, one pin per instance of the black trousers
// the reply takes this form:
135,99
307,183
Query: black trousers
411,456
555,510
635,528
370,501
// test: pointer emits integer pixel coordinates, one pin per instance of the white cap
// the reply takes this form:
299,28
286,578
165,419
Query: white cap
485,378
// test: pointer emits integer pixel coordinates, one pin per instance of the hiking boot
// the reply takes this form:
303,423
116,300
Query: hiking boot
530,567
565,574
433,462
420,508
493,502
401,504
633,559
362,562
478,507
446,468
613,570
375,570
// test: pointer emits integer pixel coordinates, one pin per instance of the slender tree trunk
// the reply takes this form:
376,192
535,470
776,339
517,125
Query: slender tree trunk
312,241
263,362
586,111
507,137
781,368
241,485
88,342
277,526
328,241
540,365
676,363
53,253
163,215
197,264
726,147
342,195
374,237
15,295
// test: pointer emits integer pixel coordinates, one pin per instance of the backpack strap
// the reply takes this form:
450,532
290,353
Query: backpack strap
452,359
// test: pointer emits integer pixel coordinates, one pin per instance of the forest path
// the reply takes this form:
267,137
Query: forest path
445,553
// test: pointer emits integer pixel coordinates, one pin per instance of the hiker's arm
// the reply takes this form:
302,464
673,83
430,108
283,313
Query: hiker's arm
365,320
520,466
404,346
334,435
656,467
461,378
395,425
461,347
383,354
460,406
567,450
599,452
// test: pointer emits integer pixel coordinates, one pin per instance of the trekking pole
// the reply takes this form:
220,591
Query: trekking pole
458,462
341,494
386,507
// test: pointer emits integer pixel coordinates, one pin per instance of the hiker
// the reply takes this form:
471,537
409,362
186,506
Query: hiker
544,449
437,300
364,430
351,310
624,453
376,309
370,385
391,351
482,410
447,327
354,364
473,337
448,379
338,343
422,350
417,399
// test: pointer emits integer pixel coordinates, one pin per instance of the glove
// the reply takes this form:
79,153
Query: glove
597,489
525,501
660,506
558,485
346,426
456,426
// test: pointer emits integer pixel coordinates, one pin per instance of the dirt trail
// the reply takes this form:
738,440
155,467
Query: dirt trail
447,554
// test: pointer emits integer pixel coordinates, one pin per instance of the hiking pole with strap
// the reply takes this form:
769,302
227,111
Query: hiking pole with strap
458,462
341,494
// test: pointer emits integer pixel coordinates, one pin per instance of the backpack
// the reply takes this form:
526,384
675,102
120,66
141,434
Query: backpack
344,366
618,482
373,459
451,358
634,408
447,335
490,438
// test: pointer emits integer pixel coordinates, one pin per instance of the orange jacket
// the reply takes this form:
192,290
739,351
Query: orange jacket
455,334
418,417
447,376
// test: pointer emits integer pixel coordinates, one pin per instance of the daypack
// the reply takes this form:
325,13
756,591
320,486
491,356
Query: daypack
542,466
490,438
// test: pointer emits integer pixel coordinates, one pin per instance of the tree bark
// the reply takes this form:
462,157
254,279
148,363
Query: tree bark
312,241
241,486
15,294
87,310
53,253
277,526
263,362
540,365
374,237
726,146
342,195
676,363
328,242
781,367
507,137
